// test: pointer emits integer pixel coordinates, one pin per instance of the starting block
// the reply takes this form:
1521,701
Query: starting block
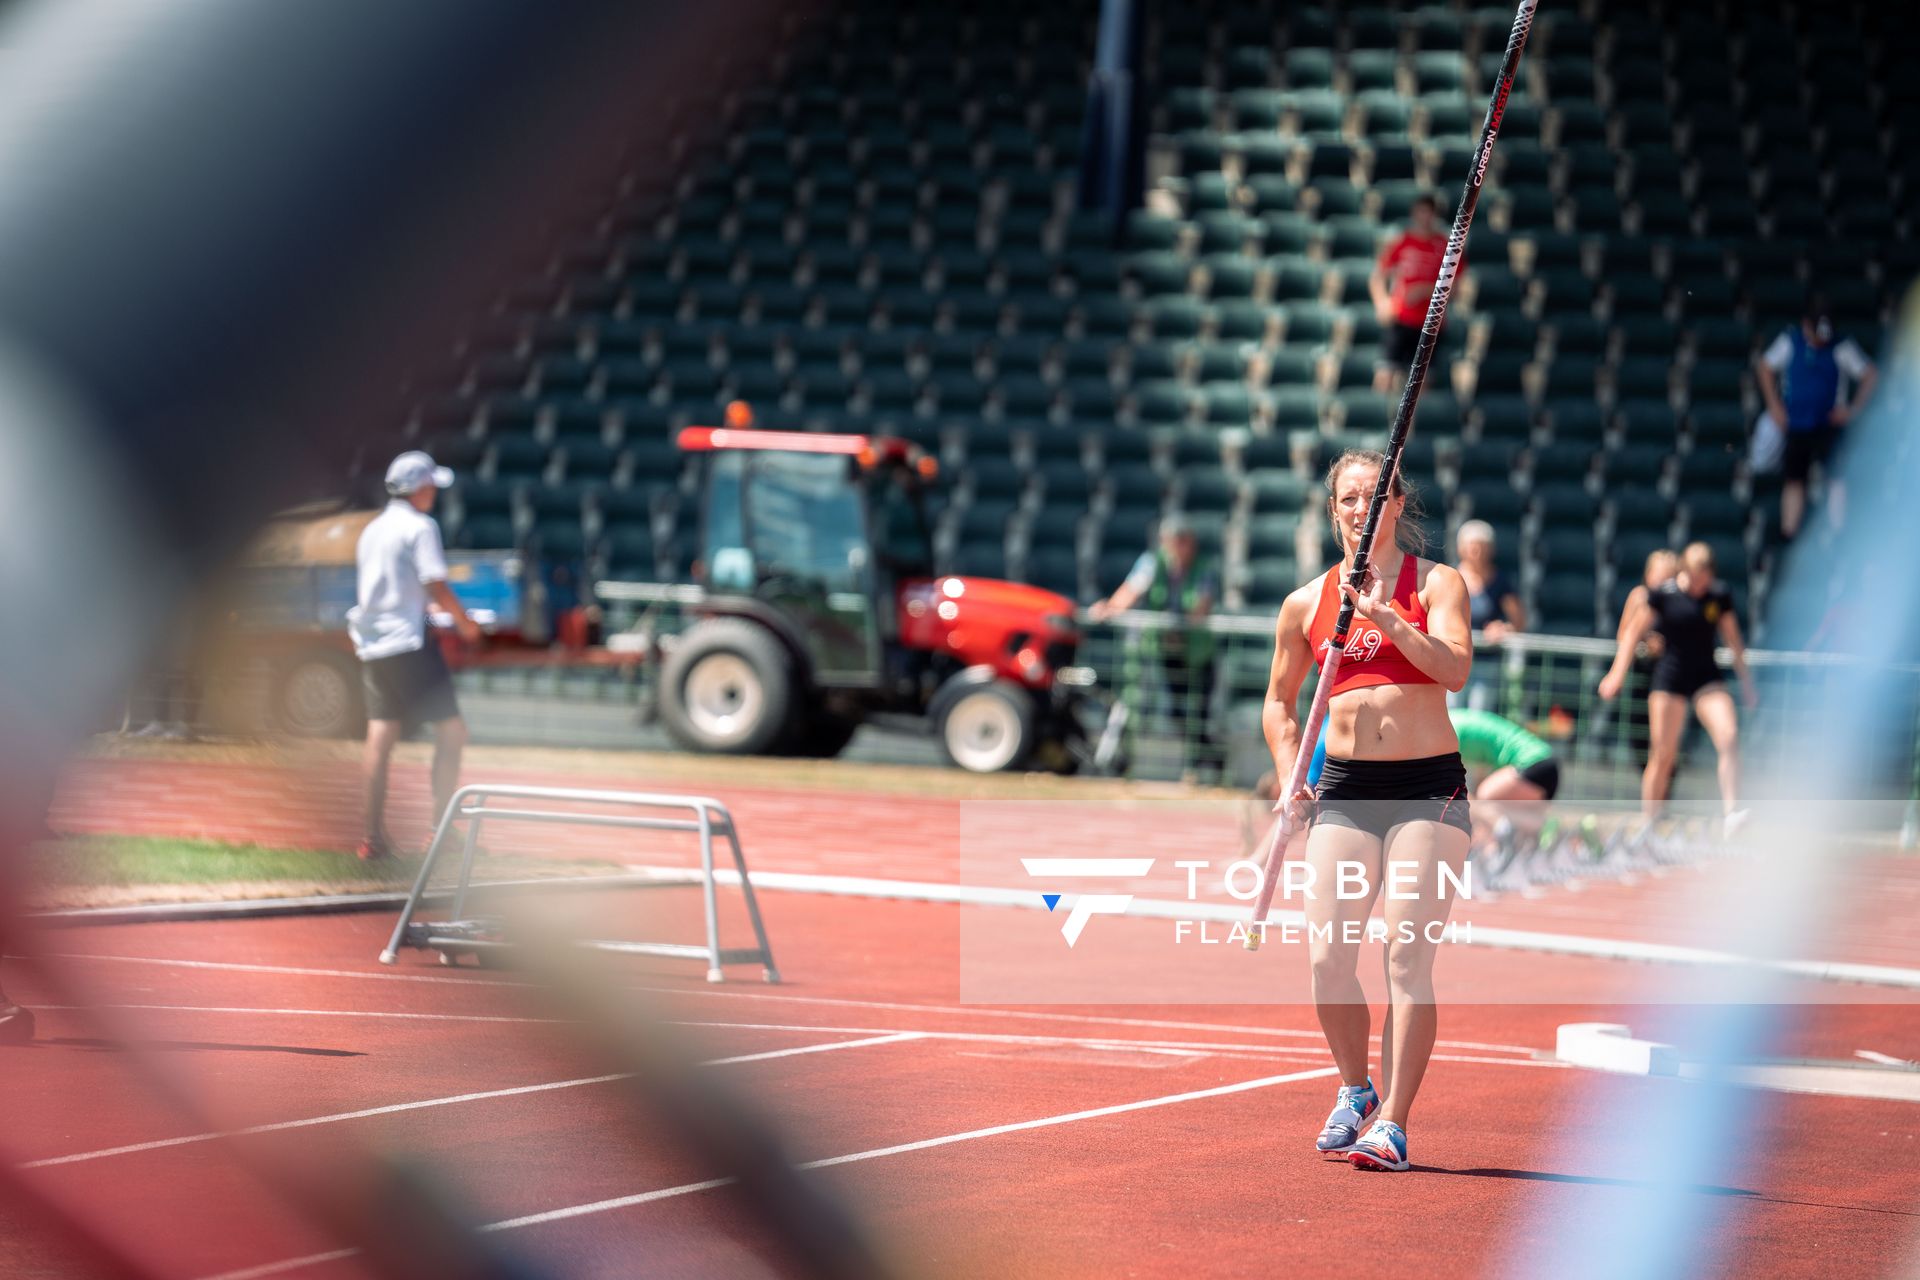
483,937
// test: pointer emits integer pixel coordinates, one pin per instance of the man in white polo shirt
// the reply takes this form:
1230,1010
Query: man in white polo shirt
402,568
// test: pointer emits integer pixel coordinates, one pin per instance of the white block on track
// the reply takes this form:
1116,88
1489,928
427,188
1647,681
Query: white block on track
1608,1046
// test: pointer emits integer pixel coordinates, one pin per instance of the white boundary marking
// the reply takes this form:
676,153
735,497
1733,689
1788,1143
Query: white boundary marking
892,1037
234,966
1884,1059
286,1264
690,1188
1225,913
1120,1045
1117,1044
301,1013
1068,868
837,1002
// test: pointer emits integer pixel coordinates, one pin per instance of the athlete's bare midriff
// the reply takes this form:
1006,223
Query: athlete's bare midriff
1390,722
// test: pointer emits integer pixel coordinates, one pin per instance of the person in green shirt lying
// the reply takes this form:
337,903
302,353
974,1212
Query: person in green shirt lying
1513,764
1517,776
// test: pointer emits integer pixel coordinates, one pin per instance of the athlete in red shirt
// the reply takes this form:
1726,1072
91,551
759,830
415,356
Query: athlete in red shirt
1401,283
1392,797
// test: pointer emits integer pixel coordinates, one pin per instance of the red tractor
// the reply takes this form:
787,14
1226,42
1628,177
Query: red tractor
818,609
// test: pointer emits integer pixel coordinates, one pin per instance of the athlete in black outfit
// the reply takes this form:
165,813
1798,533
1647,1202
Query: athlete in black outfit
1692,614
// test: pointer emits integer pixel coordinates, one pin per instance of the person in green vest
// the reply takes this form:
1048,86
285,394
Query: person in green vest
1175,579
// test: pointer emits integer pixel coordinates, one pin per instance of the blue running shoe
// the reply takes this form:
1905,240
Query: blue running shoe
1384,1147
1351,1107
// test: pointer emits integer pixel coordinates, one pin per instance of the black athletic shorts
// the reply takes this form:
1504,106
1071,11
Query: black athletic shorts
1804,448
1671,674
414,688
1375,796
1397,342
1544,774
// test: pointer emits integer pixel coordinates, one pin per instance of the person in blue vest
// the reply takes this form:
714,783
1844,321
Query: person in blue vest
1175,579
1800,376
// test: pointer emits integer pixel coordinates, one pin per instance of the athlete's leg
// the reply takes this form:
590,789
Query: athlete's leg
1666,717
1714,706
1415,907
1335,956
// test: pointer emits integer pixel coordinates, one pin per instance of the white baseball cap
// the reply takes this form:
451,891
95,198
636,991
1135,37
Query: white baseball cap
414,468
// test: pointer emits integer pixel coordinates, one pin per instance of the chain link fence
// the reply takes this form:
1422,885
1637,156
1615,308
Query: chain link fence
1549,684
1195,717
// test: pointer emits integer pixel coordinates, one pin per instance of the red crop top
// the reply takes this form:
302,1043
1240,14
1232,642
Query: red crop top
1369,658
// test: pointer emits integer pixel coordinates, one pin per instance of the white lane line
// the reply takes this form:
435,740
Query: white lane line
603,1206
1581,945
891,1037
1131,868
233,966
956,1011
1884,1059
1122,1044
990,1037
1152,1048
1097,1019
285,1265
993,1131
335,1118
1101,1042
690,1188
298,1013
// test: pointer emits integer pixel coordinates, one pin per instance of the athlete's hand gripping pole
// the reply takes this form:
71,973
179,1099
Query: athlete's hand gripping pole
1396,445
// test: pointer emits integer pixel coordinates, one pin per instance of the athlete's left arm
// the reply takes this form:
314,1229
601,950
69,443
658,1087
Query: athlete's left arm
1444,650
1730,636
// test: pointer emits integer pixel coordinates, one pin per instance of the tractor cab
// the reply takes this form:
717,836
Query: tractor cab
818,530
820,609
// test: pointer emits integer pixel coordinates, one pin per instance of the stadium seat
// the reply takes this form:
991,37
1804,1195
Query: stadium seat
1277,490
876,230
1562,502
1636,465
1273,535
1569,463
1268,582
1565,605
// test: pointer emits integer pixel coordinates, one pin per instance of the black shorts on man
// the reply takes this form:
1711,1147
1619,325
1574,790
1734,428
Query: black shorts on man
414,687
1397,343
1804,448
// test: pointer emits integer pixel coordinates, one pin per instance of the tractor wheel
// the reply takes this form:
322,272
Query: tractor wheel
989,727
727,687
316,694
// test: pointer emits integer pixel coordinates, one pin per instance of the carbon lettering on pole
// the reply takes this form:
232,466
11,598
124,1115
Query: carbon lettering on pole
1396,446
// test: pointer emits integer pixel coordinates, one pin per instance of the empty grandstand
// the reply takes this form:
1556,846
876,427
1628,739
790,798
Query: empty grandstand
877,231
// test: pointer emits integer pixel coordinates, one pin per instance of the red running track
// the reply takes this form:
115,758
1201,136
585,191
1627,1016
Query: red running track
835,827
268,1022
